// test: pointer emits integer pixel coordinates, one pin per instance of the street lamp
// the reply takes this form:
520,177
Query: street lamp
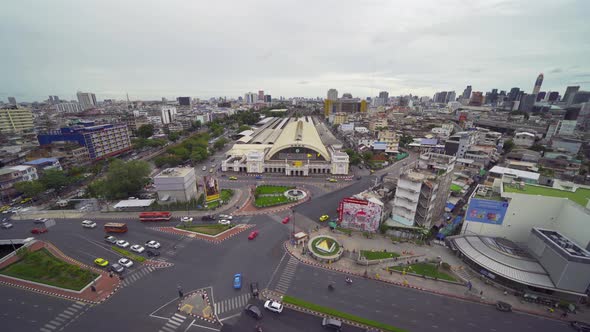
293,217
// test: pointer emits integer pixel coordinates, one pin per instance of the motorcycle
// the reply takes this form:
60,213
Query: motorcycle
331,287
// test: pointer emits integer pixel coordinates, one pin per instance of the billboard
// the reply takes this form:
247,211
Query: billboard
359,214
211,189
486,211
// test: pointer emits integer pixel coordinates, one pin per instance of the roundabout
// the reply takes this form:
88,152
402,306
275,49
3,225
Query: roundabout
325,248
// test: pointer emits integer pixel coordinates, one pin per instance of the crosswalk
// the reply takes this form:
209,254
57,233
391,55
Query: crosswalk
138,274
287,275
173,323
237,302
184,240
66,317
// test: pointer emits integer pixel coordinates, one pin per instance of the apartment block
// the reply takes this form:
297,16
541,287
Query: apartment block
15,120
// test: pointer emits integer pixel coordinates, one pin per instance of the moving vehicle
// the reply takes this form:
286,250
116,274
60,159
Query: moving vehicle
155,216
126,262
253,311
204,168
6,225
253,235
110,239
26,200
115,227
274,306
152,253
122,244
503,306
137,248
332,180
38,230
224,222
225,216
324,217
237,281
233,178
254,289
211,170
117,268
258,177
186,219
40,220
101,262
153,244
331,323
88,224
286,220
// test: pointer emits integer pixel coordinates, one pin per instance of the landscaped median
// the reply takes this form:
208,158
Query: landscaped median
267,195
425,269
212,229
42,267
339,314
374,255
129,254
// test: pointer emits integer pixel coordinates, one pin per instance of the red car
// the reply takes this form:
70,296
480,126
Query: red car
38,230
286,220
253,235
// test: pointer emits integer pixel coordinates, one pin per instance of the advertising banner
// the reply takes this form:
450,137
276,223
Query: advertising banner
486,211
359,214
211,189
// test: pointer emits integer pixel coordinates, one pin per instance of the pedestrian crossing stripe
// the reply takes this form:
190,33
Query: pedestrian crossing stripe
136,275
237,302
287,275
66,315
173,323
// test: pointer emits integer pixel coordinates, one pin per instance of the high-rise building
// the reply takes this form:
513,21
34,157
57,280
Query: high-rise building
580,97
250,98
53,99
422,193
168,114
12,101
68,108
86,99
344,106
476,98
333,94
527,102
514,94
569,93
267,98
384,95
260,95
552,96
467,93
541,95
184,101
346,95
451,96
15,120
538,84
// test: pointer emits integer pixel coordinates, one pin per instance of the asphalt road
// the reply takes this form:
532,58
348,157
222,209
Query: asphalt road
407,308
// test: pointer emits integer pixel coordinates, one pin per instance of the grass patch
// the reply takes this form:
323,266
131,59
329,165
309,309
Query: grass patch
269,190
340,314
580,196
330,241
213,205
226,195
371,255
265,201
426,269
206,229
129,254
42,267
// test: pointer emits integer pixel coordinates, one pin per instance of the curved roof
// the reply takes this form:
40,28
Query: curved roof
299,133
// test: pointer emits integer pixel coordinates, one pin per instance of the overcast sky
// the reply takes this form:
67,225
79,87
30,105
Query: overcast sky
152,49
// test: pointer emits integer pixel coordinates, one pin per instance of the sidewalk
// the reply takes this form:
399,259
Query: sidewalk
480,292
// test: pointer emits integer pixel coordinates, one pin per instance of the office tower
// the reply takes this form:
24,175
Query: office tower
451,96
86,99
53,99
513,94
333,94
467,92
384,95
168,114
68,108
15,120
184,101
538,84
541,95
569,93
260,95
12,101
250,98
552,96
476,99
580,97
527,102
267,98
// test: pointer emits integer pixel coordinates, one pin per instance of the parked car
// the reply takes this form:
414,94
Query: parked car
253,235
6,225
254,289
117,268
324,217
503,306
331,323
286,220
204,168
258,177
152,253
110,239
122,244
40,220
237,281
274,306
38,230
137,248
253,311
101,262
126,262
224,222
88,224
186,219
225,216
153,244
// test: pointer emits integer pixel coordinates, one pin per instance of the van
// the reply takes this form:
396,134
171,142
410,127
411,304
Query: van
332,324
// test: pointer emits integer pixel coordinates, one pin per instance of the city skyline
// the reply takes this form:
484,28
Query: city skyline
423,48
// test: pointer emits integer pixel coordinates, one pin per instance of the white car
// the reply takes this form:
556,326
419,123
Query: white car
186,219
204,168
137,248
224,222
88,224
225,216
122,244
274,306
153,244
126,262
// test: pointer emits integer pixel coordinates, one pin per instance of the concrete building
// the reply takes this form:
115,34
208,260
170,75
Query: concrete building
14,174
568,96
566,144
12,101
134,122
391,139
43,164
346,105
168,114
466,93
340,118
422,192
561,128
459,143
15,120
444,131
86,99
524,139
538,83
291,146
333,94
376,124
477,99
184,101
250,98
176,184
68,108
102,141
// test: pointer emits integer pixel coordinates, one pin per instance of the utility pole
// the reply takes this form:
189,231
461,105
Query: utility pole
293,217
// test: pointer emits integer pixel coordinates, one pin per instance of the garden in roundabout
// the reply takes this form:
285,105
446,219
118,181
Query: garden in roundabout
270,195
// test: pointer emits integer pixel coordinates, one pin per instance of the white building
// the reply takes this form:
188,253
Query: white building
445,130
86,99
561,127
524,138
333,94
176,184
250,98
347,127
362,130
68,108
168,114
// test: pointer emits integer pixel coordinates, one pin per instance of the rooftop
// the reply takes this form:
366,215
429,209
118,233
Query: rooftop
41,161
175,172
515,172
580,196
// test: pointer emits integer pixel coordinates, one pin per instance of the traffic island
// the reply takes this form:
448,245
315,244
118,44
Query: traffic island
218,237
272,199
196,304
325,249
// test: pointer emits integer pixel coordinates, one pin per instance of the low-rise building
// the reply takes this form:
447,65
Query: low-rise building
15,120
176,184
43,164
524,139
14,174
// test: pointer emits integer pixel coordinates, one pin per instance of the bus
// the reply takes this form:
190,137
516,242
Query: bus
115,227
155,216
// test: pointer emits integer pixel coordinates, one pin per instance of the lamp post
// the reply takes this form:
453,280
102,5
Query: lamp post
293,217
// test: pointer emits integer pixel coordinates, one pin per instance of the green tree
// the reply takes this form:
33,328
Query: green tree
353,157
182,152
367,155
30,188
54,179
174,136
197,124
220,143
145,131
243,127
199,154
508,146
168,160
123,179
405,140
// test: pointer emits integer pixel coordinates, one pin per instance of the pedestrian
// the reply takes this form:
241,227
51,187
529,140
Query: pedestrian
564,315
480,293
203,296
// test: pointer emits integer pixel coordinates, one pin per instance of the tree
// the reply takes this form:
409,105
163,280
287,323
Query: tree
199,154
243,127
220,143
405,140
168,160
182,152
367,155
30,188
353,157
145,131
197,124
174,136
508,145
122,180
54,179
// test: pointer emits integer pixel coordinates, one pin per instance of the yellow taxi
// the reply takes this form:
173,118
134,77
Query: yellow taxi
26,200
324,217
101,262
332,180
233,178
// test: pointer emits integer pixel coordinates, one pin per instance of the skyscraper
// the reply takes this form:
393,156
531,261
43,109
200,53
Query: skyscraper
451,96
86,99
333,94
250,98
513,94
538,84
168,114
467,92
12,101
570,91
260,95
